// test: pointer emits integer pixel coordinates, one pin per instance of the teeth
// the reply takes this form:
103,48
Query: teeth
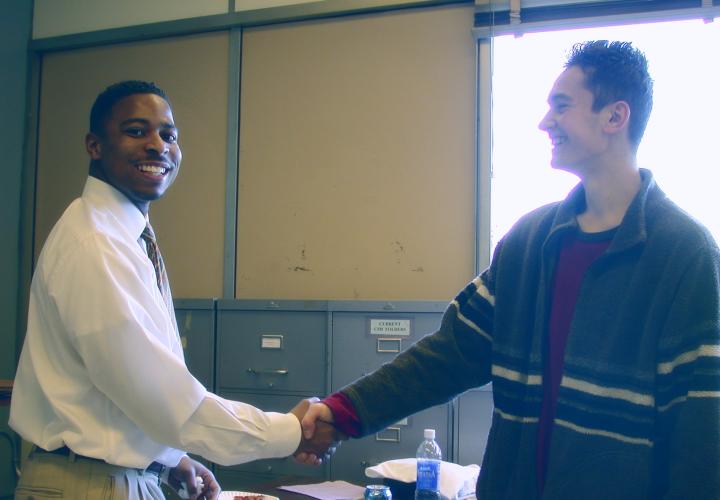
152,169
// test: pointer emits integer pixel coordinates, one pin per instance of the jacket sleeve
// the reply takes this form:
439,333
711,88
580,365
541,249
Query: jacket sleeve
437,368
687,446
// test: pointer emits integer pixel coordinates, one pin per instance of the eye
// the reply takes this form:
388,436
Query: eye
170,137
134,132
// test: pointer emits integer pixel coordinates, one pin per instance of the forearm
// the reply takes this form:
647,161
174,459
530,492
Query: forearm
230,432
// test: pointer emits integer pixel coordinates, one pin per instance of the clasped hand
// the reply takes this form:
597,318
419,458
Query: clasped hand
320,438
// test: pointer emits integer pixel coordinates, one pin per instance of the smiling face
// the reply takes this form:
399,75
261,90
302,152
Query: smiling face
137,153
576,131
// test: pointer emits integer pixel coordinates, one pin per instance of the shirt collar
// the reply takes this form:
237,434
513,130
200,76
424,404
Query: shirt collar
102,194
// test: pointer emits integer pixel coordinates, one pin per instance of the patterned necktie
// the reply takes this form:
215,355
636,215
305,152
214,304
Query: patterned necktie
153,251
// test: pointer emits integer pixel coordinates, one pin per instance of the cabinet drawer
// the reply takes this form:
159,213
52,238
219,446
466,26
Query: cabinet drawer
278,466
396,441
357,351
272,350
196,325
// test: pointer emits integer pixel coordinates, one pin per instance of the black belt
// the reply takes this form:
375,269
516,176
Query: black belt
155,467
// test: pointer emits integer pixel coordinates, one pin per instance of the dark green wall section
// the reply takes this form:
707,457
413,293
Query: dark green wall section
15,26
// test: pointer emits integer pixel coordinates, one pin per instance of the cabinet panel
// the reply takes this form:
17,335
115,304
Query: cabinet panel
271,467
396,441
196,324
357,352
362,341
475,409
272,350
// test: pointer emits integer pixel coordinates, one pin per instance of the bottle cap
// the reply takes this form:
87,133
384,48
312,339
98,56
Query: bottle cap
429,433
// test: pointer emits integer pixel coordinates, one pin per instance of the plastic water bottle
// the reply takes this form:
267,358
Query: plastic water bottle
428,468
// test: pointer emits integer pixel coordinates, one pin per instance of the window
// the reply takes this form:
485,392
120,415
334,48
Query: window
680,143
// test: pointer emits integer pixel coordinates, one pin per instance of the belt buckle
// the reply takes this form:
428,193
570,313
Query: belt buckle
155,467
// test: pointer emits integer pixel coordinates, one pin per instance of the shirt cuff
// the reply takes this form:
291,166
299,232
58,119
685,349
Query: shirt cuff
344,414
285,432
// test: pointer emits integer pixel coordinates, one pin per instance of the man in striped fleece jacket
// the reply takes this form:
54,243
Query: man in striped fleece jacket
597,322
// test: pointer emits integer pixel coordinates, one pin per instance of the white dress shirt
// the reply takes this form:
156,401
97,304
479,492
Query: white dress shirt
102,370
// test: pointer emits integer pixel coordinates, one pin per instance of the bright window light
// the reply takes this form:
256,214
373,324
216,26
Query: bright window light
680,145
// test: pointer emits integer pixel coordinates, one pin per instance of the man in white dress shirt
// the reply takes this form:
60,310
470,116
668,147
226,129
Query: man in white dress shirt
102,390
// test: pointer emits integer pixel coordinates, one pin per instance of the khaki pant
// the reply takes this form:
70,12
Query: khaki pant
45,475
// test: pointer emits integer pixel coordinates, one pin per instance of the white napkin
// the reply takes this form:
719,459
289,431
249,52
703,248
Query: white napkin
455,480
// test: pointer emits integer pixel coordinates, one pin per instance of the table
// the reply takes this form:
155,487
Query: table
271,487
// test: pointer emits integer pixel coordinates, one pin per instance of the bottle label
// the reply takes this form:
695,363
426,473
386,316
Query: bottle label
428,472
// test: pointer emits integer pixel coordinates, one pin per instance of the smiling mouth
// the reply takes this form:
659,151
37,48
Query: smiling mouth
152,169
557,141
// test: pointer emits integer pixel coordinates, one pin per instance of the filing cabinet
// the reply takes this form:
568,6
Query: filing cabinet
364,336
278,347
240,476
196,325
474,411
271,354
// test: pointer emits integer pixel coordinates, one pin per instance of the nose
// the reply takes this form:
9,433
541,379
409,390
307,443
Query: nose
546,122
156,143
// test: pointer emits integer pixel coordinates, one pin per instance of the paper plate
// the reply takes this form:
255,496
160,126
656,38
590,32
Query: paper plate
230,495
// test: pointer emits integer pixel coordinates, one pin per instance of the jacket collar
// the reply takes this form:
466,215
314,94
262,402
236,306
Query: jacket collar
633,228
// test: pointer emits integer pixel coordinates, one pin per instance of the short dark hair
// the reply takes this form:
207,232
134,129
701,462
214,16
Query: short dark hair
104,102
616,71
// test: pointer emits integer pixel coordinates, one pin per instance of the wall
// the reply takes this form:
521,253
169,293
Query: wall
356,154
357,157
55,18
193,70
15,21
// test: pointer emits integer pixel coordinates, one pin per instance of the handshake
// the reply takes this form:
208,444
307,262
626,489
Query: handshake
319,438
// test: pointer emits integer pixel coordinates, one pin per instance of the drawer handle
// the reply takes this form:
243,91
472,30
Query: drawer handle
389,345
280,371
389,435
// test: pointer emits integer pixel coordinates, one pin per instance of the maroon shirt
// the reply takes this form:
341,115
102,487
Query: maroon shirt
577,252
344,414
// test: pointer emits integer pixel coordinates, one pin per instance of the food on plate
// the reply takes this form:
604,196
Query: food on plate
248,496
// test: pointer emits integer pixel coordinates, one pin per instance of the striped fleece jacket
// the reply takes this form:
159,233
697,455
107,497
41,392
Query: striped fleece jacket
638,412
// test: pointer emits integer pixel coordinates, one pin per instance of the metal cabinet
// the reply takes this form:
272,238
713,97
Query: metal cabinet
272,346
196,325
270,354
240,476
364,336
474,411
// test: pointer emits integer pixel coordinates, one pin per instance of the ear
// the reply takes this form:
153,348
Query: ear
619,117
93,145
